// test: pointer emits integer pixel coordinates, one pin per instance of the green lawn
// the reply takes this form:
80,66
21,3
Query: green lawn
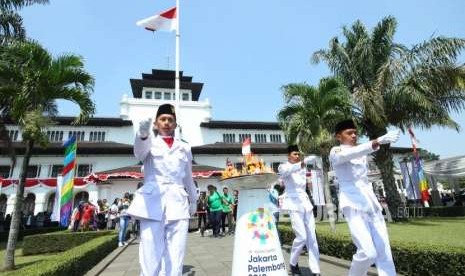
431,231
20,260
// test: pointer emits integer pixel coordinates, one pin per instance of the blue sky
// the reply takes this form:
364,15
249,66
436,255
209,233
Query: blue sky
244,51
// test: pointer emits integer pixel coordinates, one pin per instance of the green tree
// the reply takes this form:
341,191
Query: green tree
308,118
11,28
11,23
31,82
395,86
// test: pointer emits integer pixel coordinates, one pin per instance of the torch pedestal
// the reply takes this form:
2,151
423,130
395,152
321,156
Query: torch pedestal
257,249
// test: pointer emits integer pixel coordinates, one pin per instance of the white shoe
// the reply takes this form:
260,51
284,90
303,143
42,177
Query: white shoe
120,244
125,243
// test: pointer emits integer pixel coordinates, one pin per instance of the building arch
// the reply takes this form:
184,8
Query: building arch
50,202
29,204
3,203
81,196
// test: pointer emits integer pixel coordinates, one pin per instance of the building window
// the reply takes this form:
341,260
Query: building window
55,136
13,135
167,96
185,96
229,138
275,138
79,135
157,95
243,136
97,136
148,94
32,171
84,170
56,170
5,171
260,138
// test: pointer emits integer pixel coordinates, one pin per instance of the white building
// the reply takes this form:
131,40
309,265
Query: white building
105,145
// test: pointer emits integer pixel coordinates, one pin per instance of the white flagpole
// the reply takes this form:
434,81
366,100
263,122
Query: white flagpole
177,81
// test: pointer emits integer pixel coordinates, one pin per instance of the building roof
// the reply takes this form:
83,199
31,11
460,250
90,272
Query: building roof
82,148
165,79
241,125
96,121
236,148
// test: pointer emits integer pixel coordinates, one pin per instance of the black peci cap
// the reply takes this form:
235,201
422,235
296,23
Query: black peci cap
292,148
343,125
166,109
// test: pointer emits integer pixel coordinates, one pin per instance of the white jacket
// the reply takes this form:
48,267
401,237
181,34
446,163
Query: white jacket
351,167
168,185
295,197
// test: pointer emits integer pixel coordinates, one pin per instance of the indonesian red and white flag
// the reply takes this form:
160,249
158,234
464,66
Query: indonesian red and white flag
246,146
166,21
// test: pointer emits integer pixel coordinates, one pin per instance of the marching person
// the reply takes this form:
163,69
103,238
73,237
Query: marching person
168,197
295,200
358,201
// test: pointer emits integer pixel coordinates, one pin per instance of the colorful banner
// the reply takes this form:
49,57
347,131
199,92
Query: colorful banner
422,183
417,167
66,199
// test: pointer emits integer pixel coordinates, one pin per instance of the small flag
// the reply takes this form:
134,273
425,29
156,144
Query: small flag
246,146
166,21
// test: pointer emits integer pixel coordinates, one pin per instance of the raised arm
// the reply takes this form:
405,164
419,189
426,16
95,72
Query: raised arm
286,169
143,141
339,155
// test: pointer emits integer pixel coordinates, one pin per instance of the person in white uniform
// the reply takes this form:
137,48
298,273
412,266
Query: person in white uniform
358,201
297,203
168,197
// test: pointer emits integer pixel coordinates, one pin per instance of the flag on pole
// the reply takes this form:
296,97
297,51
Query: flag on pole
246,146
66,199
422,183
166,21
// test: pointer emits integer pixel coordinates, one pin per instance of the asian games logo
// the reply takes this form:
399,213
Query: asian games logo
261,225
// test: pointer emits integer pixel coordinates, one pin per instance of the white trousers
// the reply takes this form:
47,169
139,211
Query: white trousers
370,236
162,242
303,224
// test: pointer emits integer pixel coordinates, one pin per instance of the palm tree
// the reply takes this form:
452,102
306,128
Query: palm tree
396,86
308,118
11,23
11,28
32,80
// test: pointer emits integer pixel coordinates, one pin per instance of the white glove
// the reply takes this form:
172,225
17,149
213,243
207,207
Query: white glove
144,128
390,137
309,159
192,209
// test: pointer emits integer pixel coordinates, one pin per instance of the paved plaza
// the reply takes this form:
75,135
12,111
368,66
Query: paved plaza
205,257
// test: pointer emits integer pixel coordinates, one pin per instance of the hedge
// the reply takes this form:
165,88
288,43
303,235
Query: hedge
451,211
409,258
58,241
74,262
28,232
